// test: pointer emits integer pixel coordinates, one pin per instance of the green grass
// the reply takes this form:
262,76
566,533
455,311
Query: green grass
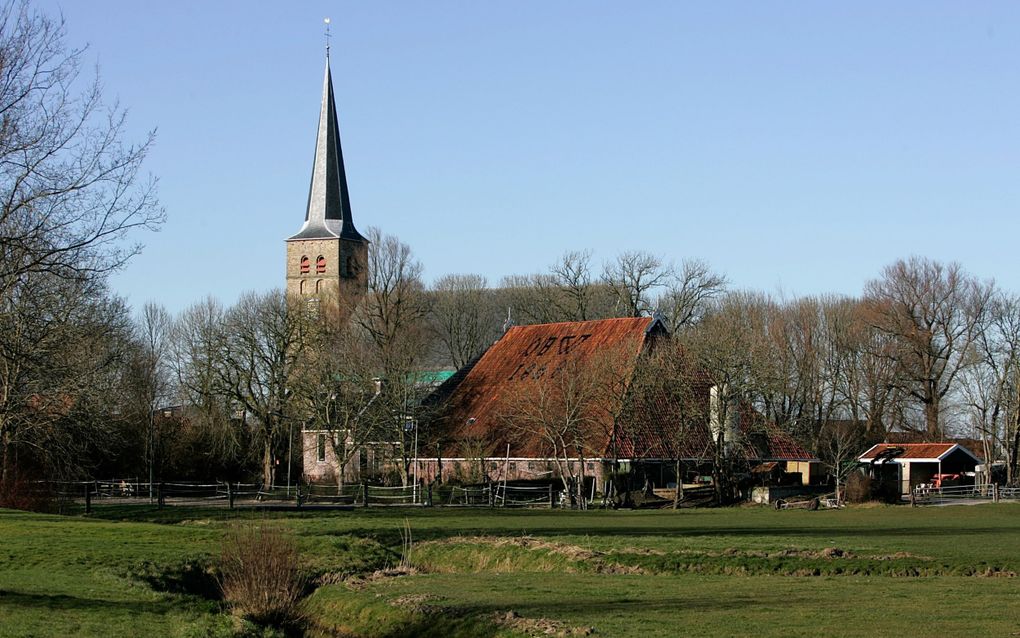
870,571
666,605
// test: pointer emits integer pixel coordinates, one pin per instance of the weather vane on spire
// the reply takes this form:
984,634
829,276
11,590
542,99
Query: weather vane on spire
326,20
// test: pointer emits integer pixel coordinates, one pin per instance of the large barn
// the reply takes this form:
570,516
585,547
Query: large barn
489,409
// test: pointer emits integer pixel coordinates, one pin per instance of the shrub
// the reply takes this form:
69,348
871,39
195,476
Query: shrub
858,488
260,577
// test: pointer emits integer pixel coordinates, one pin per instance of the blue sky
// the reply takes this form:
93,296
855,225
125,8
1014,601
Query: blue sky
798,147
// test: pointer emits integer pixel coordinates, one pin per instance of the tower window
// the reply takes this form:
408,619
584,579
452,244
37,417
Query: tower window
320,265
305,265
320,448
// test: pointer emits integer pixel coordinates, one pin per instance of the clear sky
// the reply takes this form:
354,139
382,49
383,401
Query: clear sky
796,146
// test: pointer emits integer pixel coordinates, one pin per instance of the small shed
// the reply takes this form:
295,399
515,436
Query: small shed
914,463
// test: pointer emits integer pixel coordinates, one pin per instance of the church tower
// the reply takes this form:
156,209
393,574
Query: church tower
327,259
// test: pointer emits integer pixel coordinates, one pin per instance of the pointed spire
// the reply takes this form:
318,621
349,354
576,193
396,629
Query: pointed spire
329,205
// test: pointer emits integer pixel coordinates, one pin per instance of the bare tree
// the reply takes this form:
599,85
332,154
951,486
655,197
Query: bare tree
568,291
689,294
69,186
531,298
338,385
151,379
63,350
196,357
572,411
264,339
932,313
70,195
843,441
666,408
395,306
991,385
464,316
726,347
634,277
393,316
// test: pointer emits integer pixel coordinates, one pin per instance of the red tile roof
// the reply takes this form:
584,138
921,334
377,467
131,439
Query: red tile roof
911,450
480,400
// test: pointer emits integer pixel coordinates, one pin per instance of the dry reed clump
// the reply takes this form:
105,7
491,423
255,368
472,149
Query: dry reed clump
858,488
260,577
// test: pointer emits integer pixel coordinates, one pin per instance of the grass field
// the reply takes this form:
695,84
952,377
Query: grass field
719,572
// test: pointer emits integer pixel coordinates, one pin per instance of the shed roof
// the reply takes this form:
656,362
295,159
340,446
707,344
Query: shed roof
918,452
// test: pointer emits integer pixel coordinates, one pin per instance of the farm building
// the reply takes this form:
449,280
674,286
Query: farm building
911,464
495,430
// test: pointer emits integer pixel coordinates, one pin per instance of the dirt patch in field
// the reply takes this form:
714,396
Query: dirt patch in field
418,603
831,553
526,542
363,580
597,561
539,626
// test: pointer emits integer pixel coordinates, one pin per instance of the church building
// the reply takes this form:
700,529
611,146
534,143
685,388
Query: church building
327,259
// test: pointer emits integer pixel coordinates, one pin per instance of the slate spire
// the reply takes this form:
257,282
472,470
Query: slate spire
328,214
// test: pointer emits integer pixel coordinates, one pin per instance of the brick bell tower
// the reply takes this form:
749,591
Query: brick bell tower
327,260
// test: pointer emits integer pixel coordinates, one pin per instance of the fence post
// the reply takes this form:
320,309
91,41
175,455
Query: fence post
160,496
552,503
364,494
300,496
428,496
492,499
88,498
995,492
230,496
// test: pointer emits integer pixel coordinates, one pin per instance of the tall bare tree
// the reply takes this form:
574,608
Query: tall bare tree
727,346
634,277
70,196
666,408
338,384
151,379
932,313
70,189
264,339
992,383
199,339
393,316
689,293
464,316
